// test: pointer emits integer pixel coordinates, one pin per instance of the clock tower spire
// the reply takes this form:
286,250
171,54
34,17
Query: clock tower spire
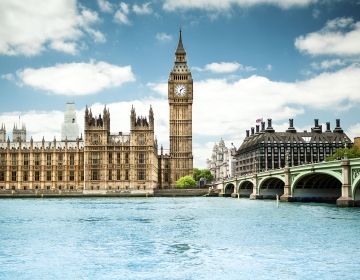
180,97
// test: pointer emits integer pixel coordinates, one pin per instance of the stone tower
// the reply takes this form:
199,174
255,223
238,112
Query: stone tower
180,96
19,134
2,133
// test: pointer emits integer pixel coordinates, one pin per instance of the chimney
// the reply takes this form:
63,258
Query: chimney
257,128
291,126
316,128
269,127
252,131
247,133
328,127
338,127
262,126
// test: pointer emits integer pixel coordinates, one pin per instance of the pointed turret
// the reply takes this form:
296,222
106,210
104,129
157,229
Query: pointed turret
180,48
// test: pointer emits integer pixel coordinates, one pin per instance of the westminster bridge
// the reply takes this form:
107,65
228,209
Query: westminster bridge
333,181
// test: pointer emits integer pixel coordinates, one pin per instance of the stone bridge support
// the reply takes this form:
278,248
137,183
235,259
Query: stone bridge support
346,199
287,187
255,193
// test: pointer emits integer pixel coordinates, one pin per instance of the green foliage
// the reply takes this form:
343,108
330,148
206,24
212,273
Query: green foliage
353,152
202,173
186,182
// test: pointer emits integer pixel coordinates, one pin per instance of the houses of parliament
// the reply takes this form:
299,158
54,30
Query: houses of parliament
103,161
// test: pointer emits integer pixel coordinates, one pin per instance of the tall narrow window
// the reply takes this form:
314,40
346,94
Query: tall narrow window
48,175
26,159
72,159
48,159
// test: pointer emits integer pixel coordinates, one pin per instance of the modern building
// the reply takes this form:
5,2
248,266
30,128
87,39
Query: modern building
222,161
70,127
106,161
265,149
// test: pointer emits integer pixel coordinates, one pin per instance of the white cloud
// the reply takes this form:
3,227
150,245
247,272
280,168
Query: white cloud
8,77
105,6
224,67
76,78
121,15
269,67
30,27
163,37
327,64
354,131
340,37
215,5
144,9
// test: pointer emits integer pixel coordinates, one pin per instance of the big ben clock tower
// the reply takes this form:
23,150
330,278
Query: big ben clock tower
180,96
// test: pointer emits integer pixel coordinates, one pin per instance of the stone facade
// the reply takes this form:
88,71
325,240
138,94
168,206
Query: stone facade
105,162
222,162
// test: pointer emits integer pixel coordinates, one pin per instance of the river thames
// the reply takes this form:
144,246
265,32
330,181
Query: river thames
177,238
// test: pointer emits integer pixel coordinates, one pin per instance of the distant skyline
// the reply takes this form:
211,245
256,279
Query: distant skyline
276,59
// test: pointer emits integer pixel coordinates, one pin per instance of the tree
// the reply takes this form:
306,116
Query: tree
202,173
186,182
353,152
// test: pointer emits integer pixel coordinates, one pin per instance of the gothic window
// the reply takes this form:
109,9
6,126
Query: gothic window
2,176
110,175
60,159
13,176
60,176
110,160
48,175
95,158
26,159
48,159
126,174
118,174
141,175
141,158
127,158
14,159
118,158
37,159
71,175
141,139
95,175
2,159
25,176
37,176
72,159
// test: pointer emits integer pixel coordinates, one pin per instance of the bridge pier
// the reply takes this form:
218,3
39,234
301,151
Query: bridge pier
346,199
255,194
286,197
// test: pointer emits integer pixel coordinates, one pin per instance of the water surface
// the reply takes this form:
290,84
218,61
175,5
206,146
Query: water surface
176,238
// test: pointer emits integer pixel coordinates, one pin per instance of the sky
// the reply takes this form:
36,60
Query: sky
249,59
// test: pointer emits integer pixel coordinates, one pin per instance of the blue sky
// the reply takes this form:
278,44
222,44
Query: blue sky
276,59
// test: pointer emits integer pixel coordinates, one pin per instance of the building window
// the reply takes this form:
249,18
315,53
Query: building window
141,175
95,158
25,176
118,158
127,158
13,176
141,158
60,159
60,175
2,176
48,159
14,159
37,159
110,175
71,175
26,159
48,175
141,140
2,159
37,175
95,175
110,158
166,177
72,159
118,174
126,174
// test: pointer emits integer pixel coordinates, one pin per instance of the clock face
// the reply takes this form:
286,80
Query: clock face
180,90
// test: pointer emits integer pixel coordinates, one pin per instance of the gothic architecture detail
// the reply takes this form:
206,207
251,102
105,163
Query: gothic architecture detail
180,97
104,161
